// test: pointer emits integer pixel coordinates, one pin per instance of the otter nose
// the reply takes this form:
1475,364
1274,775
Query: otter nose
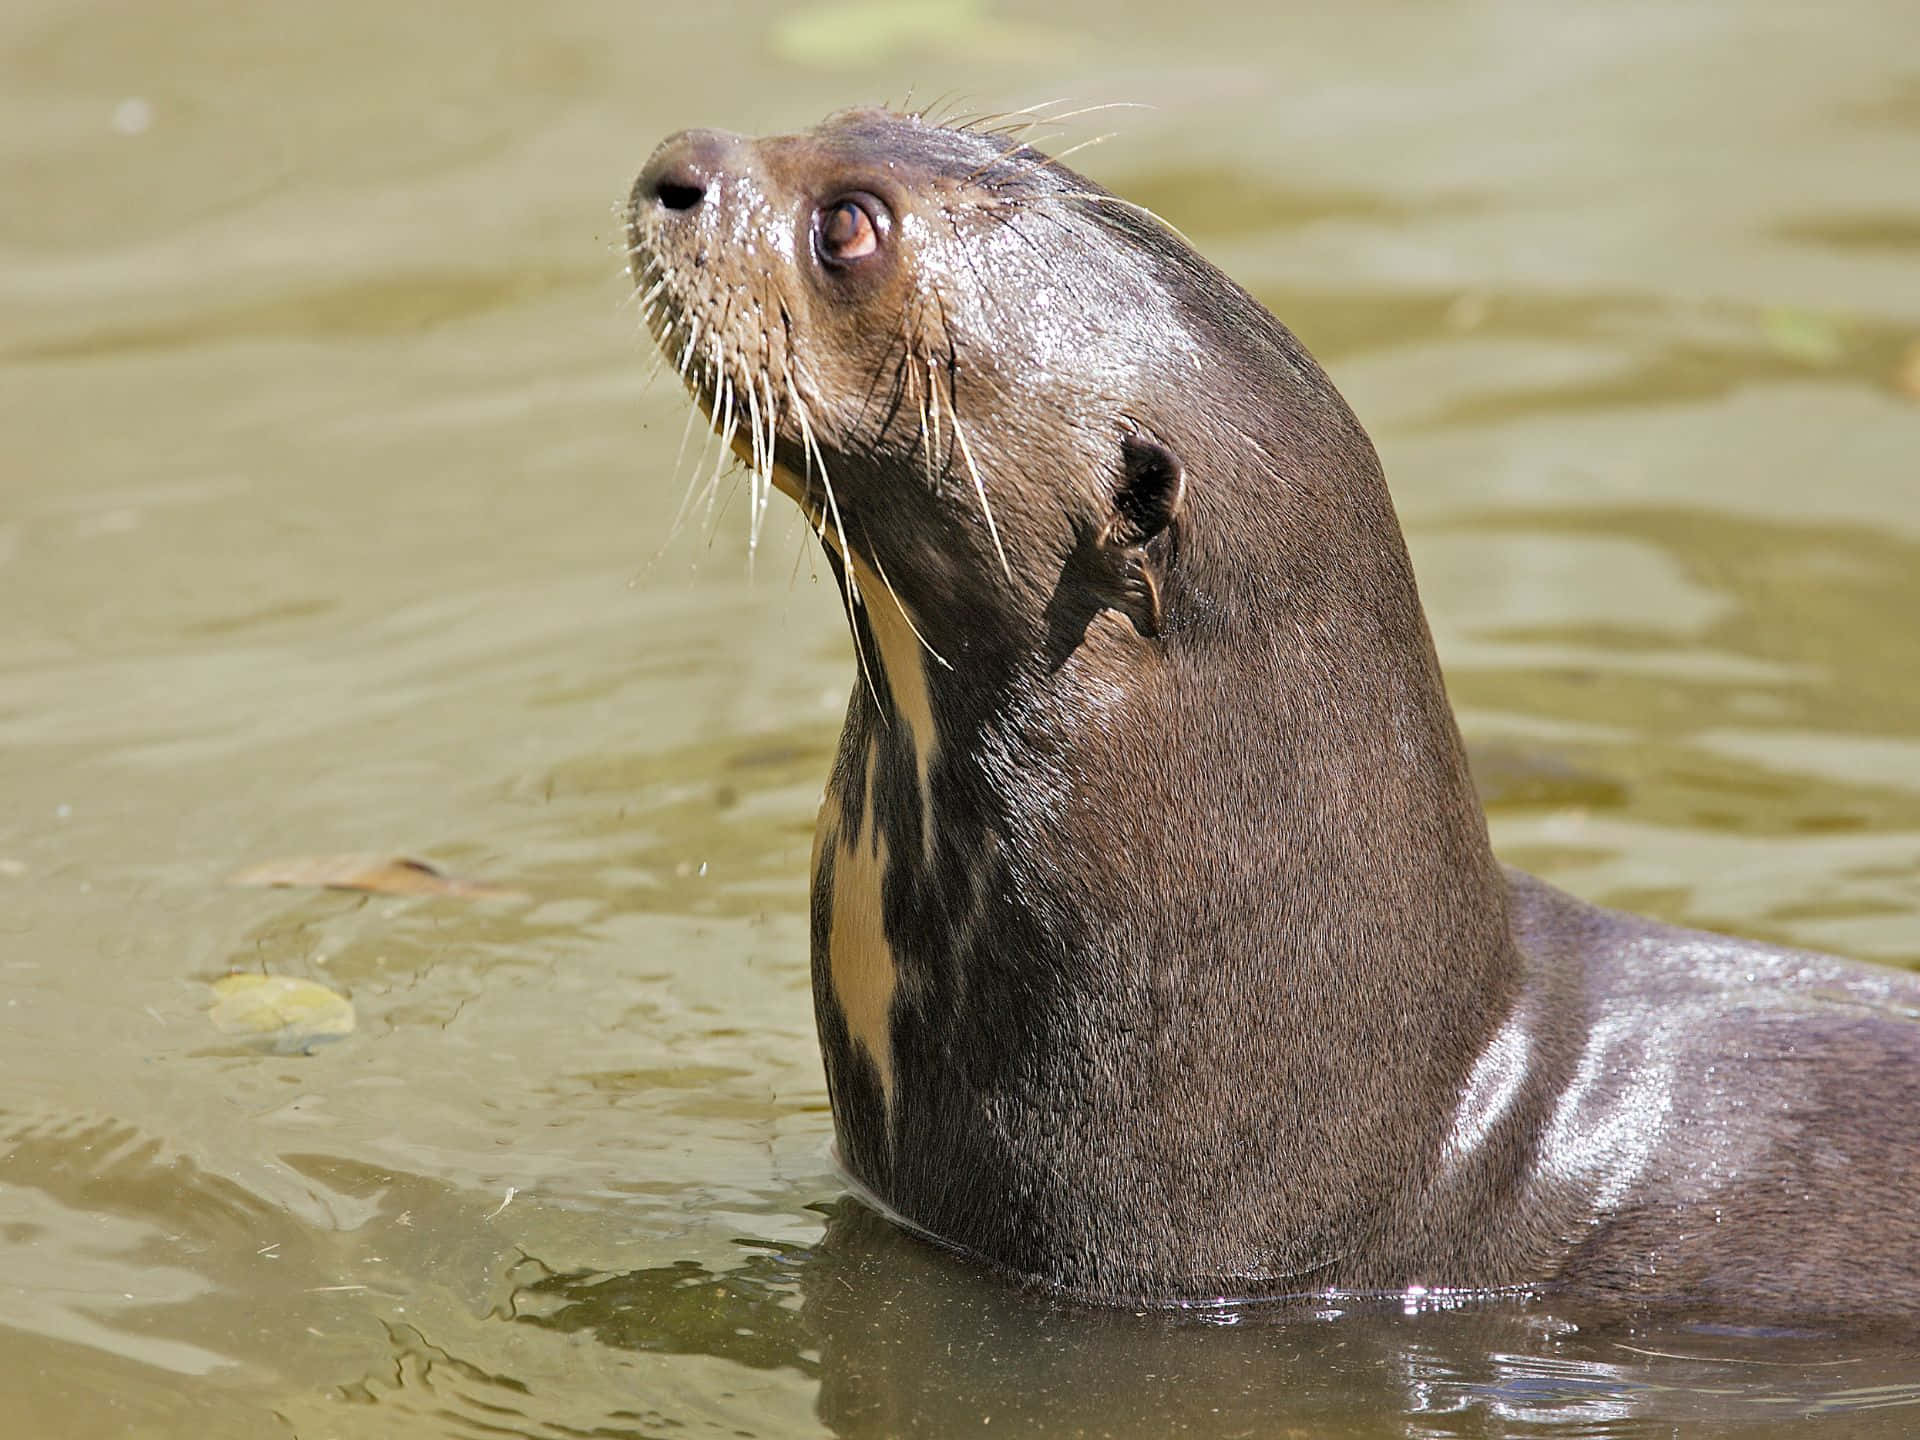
684,169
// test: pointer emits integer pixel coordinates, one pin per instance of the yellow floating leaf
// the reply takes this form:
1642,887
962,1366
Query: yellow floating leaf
377,874
292,1015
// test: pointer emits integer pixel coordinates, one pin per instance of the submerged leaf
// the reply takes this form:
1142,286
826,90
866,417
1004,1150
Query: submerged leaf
377,874
288,1014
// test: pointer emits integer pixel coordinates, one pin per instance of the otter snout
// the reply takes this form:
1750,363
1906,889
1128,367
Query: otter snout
684,171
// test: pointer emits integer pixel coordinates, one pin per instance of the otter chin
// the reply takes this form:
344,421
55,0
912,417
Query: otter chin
1159,952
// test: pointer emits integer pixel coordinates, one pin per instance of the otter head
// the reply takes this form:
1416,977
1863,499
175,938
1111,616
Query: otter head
936,341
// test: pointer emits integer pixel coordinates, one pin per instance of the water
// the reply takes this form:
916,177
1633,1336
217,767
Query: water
326,521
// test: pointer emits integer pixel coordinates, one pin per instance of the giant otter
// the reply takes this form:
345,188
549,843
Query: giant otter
1159,952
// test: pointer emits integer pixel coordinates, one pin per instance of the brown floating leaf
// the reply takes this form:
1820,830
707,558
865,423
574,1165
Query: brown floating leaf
1906,376
376,874
1510,775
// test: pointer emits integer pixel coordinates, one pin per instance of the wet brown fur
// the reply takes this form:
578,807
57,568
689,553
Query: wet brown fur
1205,981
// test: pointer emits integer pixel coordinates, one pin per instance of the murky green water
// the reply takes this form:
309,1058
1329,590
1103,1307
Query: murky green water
327,510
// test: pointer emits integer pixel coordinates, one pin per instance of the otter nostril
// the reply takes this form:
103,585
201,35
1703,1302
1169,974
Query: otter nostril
685,171
679,194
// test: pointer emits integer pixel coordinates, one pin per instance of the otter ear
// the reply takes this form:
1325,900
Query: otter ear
1149,494
1145,504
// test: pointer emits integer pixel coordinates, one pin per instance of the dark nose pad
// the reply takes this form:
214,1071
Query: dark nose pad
684,170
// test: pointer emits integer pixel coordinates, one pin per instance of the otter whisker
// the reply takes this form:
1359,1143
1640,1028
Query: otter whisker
873,554
801,549
1008,216
660,355
809,447
1022,132
978,175
849,586
1096,109
1035,110
634,299
948,101
977,123
760,491
766,477
1025,116
729,427
921,390
656,326
753,492
1035,199
933,393
654,369
930,427
711,493
711,413
1036,162
979,486
988,122
690,498
818,462
686,355
1087,144
679,461
1101,197
686,434
960,434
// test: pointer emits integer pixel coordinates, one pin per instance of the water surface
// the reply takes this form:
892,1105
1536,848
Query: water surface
328,523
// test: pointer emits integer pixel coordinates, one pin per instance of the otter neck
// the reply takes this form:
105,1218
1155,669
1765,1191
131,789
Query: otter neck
1151,970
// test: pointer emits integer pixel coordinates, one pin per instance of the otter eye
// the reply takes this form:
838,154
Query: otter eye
849,229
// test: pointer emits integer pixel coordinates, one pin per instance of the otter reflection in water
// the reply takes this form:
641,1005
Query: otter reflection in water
901,1338
1159,951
